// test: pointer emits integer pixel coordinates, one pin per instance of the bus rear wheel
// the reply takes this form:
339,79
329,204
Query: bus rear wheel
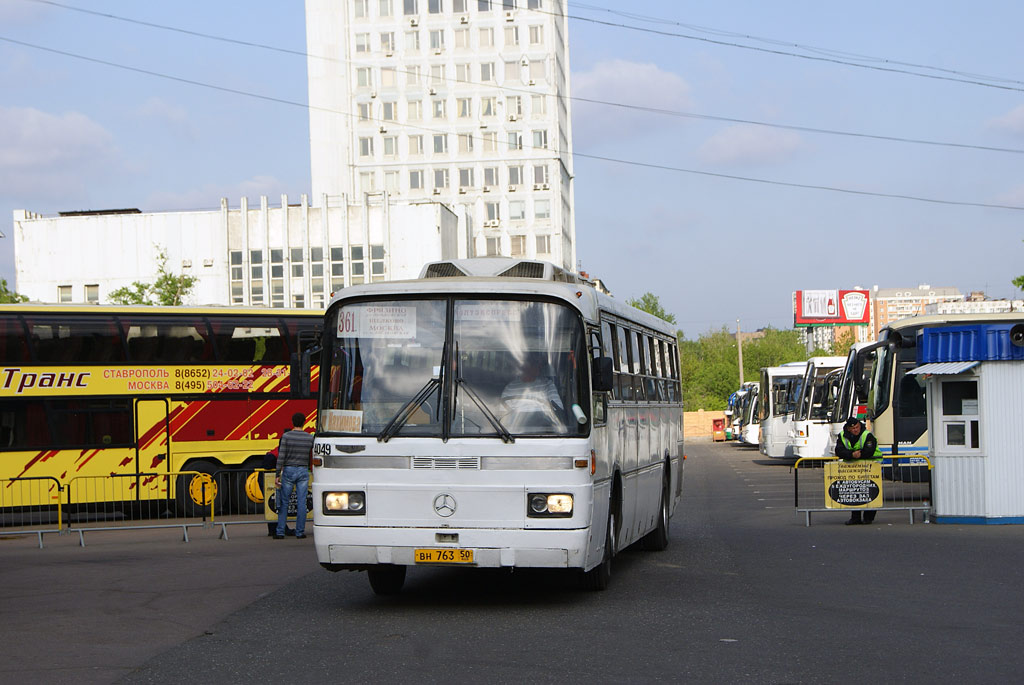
387,579
192,488
657,539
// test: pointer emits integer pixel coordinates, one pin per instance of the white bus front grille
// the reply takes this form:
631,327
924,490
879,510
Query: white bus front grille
446,462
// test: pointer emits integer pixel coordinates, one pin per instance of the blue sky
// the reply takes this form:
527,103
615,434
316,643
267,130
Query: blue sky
76,134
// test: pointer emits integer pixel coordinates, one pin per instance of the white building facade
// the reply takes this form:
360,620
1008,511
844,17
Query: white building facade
460,101
293,255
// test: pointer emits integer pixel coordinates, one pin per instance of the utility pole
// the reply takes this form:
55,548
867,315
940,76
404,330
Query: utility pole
739,349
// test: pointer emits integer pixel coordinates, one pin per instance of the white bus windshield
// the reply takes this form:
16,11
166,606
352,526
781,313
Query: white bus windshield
456,368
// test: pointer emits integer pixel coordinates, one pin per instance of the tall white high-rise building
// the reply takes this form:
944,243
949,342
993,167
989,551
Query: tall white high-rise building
459,101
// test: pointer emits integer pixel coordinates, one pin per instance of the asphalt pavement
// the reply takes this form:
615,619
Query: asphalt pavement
745,592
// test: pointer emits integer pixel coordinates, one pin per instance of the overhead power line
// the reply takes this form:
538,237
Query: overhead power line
511,89
634,163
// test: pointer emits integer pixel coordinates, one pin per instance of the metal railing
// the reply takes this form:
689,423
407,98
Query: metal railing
912,493
39,505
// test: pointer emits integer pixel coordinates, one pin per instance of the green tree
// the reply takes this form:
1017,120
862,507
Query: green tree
650,303
1019,282
168,289
8,296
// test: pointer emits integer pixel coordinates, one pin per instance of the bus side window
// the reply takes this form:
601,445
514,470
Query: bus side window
636,356
13,348
624,380
659,368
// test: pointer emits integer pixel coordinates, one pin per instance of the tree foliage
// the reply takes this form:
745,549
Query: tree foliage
650,303
8,296
168,289
709,366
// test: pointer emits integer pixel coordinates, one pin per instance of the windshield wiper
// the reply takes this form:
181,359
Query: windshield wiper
495,422
410,407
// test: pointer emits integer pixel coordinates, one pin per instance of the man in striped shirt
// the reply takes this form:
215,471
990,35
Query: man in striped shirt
293,456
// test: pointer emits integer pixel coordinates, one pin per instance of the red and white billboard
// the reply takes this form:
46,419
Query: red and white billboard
832,308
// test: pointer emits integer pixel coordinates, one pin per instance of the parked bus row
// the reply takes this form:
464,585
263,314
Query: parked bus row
801,407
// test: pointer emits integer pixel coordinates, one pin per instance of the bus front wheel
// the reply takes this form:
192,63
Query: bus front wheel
387,579
193,488
598,577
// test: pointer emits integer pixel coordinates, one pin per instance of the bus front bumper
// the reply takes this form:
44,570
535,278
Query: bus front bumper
340,548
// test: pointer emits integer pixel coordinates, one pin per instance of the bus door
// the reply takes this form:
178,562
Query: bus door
152,446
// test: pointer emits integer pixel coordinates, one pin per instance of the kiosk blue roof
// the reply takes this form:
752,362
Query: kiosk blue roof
979,342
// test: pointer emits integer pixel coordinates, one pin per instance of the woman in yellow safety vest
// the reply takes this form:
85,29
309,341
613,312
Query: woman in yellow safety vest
857,442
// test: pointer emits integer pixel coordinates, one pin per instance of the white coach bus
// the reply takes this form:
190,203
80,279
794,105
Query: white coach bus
780,387
493,413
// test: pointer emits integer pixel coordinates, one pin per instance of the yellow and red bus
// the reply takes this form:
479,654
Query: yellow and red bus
120,391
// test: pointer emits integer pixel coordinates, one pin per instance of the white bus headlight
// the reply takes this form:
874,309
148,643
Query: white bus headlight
553,505
344,503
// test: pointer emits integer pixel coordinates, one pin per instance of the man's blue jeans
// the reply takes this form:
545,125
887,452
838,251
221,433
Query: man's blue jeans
293,478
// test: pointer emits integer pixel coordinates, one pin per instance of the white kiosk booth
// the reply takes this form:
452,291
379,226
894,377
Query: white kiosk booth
974,377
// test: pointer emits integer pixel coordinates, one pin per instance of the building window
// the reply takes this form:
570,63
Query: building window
363,77
463,73
460,6
390,146
518,245
464,108
391,182
416,179
508,5
367,181
543,244
256,265
415,145
487,72
493,210
490,141
92,294
366,147
491,176
412,75
483,5
377,263
487,38
387,41
540,140
440,179
462,38
511,35
488,107
298,301
515,140
384,8
388,111
540,173
410,7
513,72
434,7
466,178
539,104
256,292
542,209
440,143
465,142
440,109
536,35
235,259
414,109
357,266
387,77
337,269
360,9
537,69
516,210
364,111
437,75
493,246
316,265
535,4
514,105
277,263
960,427
437,39
515,175
362,42
297,263
412,41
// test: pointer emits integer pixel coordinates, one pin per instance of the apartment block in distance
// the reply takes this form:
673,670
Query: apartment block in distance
463,102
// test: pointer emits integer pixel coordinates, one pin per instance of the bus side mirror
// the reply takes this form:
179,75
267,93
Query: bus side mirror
601,372
302,369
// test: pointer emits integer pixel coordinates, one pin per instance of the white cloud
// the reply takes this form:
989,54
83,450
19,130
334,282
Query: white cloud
208,197
749,144
629,83
46,155
175,117
1012,121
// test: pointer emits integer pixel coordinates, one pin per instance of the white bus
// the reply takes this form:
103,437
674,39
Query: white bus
780,386
493,413
851,395
748,433
811,432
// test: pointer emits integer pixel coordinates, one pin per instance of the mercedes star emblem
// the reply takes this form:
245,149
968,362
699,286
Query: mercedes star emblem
444,505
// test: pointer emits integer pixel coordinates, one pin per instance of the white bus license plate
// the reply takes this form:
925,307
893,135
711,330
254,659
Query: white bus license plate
443,556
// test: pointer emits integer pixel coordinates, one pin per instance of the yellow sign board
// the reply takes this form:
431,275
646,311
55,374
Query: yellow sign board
270,498
853,484
41,381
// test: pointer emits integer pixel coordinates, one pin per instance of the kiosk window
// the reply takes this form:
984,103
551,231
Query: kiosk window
959,421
